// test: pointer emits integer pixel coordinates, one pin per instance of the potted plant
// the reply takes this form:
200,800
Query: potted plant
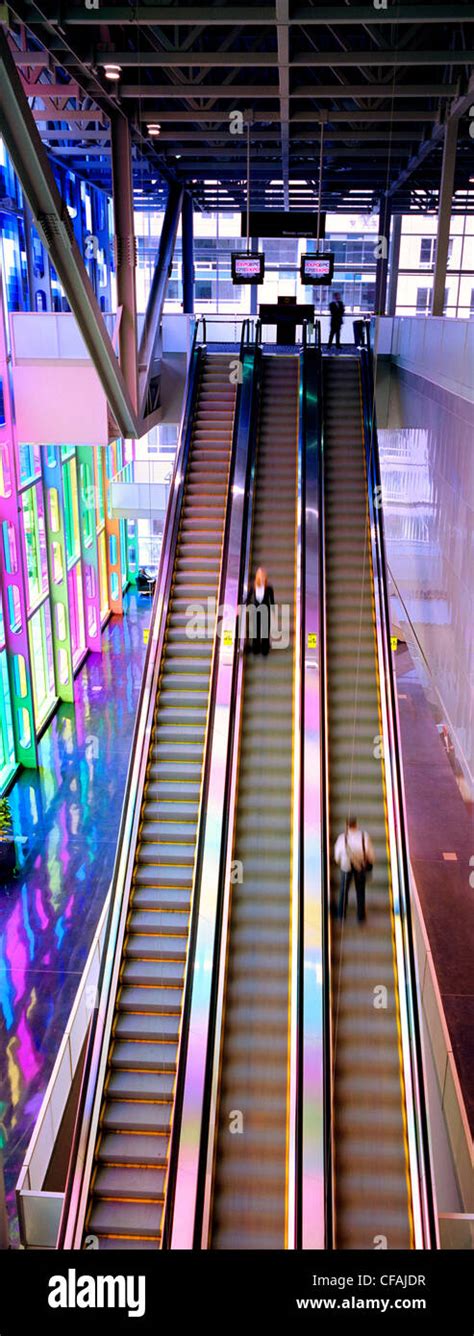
7,842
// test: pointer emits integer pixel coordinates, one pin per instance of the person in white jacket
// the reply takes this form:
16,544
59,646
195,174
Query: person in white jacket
354,855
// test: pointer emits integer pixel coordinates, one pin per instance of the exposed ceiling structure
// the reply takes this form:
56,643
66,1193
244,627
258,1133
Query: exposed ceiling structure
378,80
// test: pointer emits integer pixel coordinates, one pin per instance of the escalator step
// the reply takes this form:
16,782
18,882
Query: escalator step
149,1055
166,1000
121,1218
140,1026
124,1148
129,1181
152,972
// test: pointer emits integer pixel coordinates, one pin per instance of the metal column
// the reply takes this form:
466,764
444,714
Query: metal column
394,263
382,255
188,254
125,250
12,571
444,214
253,286
149,352
112,531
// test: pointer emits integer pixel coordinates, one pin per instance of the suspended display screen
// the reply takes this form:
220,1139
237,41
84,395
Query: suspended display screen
271,223
247,268
317,268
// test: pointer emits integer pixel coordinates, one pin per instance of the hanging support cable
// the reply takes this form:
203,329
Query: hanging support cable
321,147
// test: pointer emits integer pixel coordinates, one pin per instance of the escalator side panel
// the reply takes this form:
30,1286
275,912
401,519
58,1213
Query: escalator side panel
131,1164
372,1192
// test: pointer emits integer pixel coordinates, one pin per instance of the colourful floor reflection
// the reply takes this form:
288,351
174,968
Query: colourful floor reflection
65,818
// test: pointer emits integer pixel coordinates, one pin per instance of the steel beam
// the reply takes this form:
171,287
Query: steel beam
444,214
365,59
217,59
458,108
33,169
382,255
259,92
245,16
45,91
377,90
125,251
188,254
71,114
320,15
283,38
394,263
148,351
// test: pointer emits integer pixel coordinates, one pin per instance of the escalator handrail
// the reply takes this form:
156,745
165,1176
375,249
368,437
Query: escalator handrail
201,320
244,336
131,804
314,1204
326,853
183,1048
419,1137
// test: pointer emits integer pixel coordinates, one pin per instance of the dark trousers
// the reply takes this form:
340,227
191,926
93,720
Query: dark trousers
335,331
261,638
346,878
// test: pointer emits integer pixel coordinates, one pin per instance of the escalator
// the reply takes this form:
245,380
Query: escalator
128,1182
372,1189
249,1199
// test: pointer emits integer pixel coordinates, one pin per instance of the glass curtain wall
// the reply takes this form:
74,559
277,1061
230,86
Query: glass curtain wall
30,283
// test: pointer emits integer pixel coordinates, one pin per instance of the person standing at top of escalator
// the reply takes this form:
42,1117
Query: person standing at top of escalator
337,312
261,600
354,854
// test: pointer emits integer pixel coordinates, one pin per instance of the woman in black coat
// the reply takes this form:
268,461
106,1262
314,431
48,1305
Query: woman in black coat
260,601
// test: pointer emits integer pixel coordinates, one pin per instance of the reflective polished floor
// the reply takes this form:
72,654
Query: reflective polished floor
440,840
66,817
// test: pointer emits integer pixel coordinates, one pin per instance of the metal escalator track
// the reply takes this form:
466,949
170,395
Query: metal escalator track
372,1194
129,1179
249,1190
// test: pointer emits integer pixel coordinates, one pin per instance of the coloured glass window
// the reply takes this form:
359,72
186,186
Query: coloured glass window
29,459
41,662
7,745
35,543
71,510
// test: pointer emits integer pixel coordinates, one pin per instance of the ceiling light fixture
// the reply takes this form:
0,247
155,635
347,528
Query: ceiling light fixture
112,71
154,128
